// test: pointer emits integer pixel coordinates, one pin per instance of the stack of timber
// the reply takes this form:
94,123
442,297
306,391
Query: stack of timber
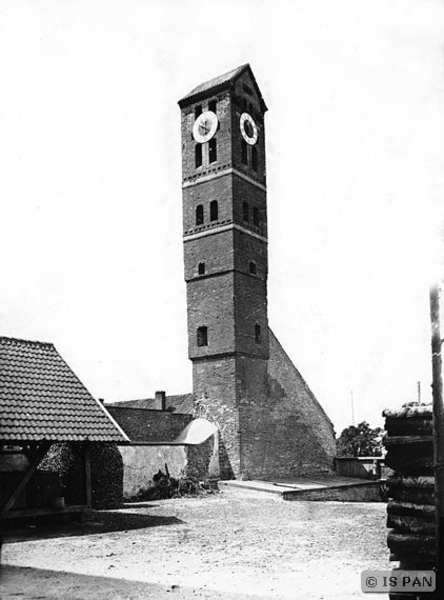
411,512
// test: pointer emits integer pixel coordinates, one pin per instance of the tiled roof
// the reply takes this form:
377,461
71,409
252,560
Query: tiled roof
183,403
143,425
219,83
42,399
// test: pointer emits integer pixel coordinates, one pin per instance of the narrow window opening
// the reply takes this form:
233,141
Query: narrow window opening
202,336
198,155
212,150
199,214
244,150
197,110
255,216
254,158
257,334
214,210
201,268
212,105
253,269
245,212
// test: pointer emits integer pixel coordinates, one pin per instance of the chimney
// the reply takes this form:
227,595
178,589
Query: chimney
160,401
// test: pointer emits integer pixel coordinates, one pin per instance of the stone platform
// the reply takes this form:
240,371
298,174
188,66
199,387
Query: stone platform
316,487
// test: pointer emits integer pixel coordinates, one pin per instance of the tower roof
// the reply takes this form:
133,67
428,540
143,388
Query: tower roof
218,84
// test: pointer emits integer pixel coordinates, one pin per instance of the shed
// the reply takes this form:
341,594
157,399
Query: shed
43,402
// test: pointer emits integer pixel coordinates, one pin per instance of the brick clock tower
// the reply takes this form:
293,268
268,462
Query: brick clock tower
225,252
230,345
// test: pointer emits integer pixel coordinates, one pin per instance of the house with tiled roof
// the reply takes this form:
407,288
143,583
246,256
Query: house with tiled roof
43,402
165,434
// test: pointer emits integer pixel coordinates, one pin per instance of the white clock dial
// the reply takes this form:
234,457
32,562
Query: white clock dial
248,129
205,126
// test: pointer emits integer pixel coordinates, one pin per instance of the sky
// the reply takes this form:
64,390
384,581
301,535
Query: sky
90,185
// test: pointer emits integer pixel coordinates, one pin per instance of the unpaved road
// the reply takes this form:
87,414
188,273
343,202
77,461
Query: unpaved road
222,546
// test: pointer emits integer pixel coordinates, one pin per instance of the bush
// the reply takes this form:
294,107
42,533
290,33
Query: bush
106,473
166,487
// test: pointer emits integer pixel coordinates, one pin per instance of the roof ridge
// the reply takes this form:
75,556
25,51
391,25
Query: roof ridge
214,83
13,340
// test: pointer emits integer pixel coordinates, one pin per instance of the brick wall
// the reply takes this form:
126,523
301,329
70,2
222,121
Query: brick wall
214,385
271,424
223,137
304,440
244,191
216,251
216,189
251,309
210,304
255,111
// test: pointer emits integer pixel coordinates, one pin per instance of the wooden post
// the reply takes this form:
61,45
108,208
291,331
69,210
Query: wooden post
438,420
38,457
88,475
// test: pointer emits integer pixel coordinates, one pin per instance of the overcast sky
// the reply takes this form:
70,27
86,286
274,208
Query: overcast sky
90,184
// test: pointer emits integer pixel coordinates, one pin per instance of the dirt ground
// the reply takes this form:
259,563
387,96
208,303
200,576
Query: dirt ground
228,545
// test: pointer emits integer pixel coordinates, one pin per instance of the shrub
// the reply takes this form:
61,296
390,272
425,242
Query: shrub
106,473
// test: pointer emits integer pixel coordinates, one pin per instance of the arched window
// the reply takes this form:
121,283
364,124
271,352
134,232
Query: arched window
255,216
199,214
245,212
253,269
198,155
214,210
212,105
197,110
257,334
201,268
202,336
244,151
254,158
212,153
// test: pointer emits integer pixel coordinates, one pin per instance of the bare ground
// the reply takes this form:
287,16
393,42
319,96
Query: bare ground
229,546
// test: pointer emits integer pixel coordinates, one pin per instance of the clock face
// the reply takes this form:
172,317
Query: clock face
248,129
205,126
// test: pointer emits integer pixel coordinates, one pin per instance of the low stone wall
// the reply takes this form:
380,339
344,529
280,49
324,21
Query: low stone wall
366,492
361,467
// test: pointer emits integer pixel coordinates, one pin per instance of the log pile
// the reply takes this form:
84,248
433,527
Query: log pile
411,513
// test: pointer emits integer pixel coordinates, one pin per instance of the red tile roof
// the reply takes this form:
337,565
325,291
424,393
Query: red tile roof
41,398
144,425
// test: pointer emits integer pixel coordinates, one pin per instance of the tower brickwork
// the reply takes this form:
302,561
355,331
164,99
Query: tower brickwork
226,267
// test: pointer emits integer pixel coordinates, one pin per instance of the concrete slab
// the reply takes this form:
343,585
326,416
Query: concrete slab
318,487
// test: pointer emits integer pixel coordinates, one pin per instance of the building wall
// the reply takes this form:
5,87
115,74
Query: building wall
303,439
271,425
214,385
141,463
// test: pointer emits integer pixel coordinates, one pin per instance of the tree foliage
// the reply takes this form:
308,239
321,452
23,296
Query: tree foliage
361,440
